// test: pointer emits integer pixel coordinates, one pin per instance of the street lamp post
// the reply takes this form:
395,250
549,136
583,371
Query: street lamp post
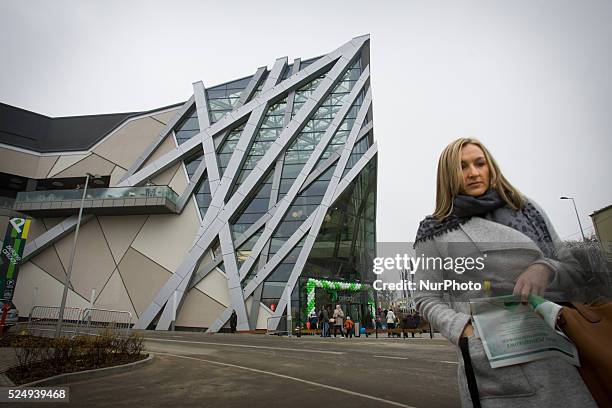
577,216
60,318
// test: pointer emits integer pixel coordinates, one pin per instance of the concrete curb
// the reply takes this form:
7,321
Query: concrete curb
63,379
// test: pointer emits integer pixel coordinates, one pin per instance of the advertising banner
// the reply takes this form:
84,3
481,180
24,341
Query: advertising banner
12,250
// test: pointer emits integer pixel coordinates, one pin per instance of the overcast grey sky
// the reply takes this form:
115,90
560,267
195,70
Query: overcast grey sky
531,79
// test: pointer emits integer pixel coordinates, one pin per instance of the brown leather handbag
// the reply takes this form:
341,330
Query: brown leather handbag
590,328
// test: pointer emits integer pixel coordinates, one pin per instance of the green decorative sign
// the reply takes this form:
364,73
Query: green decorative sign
313,283
12,251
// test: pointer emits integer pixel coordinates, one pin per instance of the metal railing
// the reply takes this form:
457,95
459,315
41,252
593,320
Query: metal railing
91,321
43,320
96,321
7,203
277,325
97,194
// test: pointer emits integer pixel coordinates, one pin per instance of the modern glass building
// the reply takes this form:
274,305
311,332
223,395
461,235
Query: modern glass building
256,196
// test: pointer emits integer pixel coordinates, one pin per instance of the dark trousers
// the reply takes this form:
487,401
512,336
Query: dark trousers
336,328
390,326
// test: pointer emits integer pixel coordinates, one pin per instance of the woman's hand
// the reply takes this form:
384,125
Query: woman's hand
534,280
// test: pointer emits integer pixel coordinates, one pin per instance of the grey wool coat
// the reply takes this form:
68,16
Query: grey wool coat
549,382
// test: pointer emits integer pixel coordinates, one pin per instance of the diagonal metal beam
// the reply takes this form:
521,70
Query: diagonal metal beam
251,87
322,168
276,180
332,190
307,224
339,59
208,146
314,157
56,233
325,203
225,235
229,120
199,173
288,134
213,224
158,140
267,269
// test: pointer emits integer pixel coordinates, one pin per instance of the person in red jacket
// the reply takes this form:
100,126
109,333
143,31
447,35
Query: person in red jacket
348,326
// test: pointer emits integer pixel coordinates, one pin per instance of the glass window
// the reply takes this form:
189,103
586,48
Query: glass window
273,289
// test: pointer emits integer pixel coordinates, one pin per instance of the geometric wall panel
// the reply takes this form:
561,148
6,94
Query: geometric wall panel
179,182
18,163
167,145
116,175
51,222
142,278
120,231
93,164
128,142
45,164
262,319
115,297
198,310
66,161
166,116
164,177
49,291
215,286
93,261
49,262
166,238
37,228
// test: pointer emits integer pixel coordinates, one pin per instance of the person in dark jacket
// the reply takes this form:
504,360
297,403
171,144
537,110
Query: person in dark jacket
324,322
410,324
369,322
233,321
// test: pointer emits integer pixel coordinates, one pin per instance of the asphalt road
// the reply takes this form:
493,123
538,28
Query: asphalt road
245,370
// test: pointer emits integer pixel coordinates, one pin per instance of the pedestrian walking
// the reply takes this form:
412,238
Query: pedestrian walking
338,320
369,322
348,327
233,321
324,319
390,321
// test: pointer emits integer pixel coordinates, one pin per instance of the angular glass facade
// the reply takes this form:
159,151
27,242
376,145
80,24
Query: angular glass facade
279,179
282,243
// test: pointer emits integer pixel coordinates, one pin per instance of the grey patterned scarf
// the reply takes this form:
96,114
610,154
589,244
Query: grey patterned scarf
490,205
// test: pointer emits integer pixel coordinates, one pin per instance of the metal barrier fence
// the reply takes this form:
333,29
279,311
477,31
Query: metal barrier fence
43,321
277,325
96,321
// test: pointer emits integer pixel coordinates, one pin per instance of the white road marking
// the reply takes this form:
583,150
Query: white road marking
395,358
288,377
449,362
247,346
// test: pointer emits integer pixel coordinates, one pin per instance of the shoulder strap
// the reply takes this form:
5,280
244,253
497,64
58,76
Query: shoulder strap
469,371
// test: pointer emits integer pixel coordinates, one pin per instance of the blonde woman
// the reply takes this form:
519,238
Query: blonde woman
480,214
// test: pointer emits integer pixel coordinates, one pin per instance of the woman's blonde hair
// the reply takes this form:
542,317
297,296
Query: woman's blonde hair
450,178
